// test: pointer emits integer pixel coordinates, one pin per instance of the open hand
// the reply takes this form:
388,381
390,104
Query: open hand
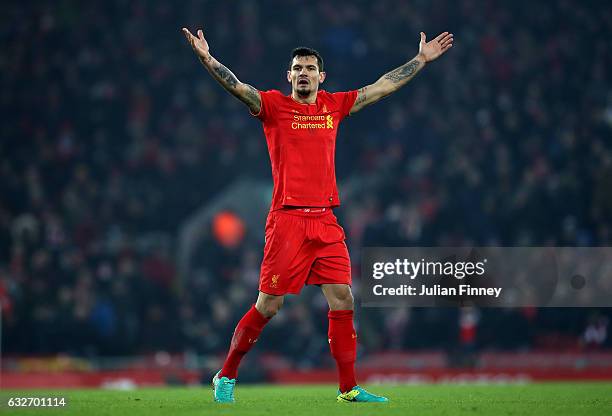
199,44
433,49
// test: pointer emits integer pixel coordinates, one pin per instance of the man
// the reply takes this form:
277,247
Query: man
303,242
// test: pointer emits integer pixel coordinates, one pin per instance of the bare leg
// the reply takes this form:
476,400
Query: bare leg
269,305
339,297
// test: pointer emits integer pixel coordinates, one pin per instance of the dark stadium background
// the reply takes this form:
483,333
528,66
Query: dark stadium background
133,189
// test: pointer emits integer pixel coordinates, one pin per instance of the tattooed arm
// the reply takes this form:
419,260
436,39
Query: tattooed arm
387,84
244,92
394,80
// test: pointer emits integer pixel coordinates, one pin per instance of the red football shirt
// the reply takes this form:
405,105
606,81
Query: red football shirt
302,143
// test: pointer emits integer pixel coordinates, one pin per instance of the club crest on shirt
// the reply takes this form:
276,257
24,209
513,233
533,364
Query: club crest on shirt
274,283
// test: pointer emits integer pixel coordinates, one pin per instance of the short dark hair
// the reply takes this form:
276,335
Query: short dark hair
304,51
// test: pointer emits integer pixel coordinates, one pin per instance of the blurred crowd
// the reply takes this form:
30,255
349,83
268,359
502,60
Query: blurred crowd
113,133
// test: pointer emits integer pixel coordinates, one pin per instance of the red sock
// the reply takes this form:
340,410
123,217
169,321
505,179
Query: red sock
343,345
245,336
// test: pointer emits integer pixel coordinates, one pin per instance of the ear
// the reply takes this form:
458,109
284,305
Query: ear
289,77
322,77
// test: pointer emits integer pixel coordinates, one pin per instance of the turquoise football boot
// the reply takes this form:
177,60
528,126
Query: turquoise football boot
223,388
359,395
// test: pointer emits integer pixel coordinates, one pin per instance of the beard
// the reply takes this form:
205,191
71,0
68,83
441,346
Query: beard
303,91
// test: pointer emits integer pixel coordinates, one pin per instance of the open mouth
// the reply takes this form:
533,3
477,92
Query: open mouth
302,81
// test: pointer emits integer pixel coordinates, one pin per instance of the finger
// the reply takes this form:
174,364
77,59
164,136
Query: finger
447,45
446,41
441,35
422,37
189,36
447,38
200,34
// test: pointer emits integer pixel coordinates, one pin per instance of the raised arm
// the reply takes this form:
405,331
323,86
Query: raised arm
394,80
244,92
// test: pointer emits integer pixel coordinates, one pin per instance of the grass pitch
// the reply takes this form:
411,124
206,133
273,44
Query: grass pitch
532,399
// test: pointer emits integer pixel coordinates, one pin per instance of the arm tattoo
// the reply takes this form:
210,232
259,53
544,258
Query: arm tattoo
404,72
227,78
251,97
361,96
244,92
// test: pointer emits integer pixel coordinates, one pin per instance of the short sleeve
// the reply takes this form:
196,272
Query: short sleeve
345,101
267,104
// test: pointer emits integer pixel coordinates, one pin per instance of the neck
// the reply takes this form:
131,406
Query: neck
310,99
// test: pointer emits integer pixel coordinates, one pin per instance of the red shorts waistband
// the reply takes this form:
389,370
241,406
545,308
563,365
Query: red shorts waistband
313,210
306,211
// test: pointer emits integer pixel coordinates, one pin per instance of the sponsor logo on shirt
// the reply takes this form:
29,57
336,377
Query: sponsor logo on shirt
312,122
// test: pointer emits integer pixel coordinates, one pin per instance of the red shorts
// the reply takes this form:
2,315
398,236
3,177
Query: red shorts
303,246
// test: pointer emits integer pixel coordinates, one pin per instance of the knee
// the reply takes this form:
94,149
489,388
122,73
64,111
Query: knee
269,306
342,300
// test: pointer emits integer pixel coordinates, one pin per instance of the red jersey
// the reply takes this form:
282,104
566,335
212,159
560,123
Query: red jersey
302,143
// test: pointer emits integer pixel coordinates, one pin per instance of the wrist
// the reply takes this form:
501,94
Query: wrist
421,58
206,59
